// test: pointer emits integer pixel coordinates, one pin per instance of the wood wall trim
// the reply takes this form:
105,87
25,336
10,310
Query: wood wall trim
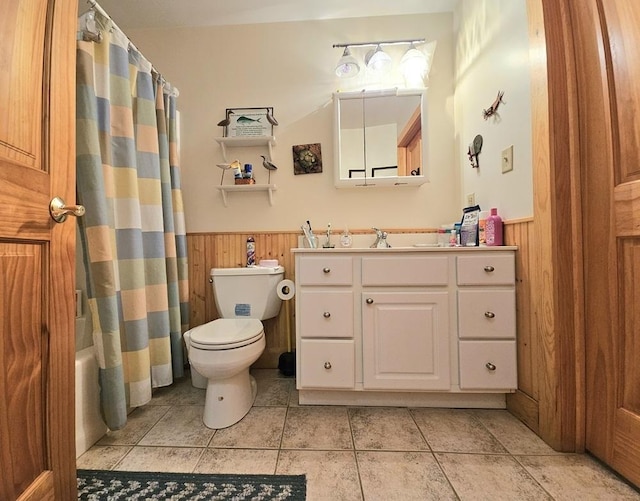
557,276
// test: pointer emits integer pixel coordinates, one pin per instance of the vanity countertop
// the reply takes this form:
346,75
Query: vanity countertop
417,248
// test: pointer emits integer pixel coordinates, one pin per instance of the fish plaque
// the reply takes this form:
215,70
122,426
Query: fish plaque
249,122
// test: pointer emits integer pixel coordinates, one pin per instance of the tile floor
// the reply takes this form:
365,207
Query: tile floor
356,453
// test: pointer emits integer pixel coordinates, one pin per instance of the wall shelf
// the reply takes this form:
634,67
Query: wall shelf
269,188
241,142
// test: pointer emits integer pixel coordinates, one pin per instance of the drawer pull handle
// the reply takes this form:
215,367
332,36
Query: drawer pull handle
369,300
326,314
326,270
489,269
488,365
489,314
327,365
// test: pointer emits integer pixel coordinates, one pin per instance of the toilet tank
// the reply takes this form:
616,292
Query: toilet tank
247,292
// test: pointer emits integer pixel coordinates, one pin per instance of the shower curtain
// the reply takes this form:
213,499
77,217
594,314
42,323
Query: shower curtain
133,235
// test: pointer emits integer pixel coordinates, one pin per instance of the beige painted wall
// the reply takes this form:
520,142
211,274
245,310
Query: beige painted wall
492,53
290,66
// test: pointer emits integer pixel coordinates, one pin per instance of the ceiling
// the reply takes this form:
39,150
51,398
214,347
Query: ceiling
173,13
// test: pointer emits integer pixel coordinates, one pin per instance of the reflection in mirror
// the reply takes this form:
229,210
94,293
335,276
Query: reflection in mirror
380,138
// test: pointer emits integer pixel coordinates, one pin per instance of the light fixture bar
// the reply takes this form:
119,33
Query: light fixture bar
374,44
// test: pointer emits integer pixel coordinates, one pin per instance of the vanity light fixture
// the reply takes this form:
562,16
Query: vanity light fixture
413,66
376,59
347,66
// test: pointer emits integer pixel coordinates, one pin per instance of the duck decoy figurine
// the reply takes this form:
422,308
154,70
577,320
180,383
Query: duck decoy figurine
226,121
269,166
270,118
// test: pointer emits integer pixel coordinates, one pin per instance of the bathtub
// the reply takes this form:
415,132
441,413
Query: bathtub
89,425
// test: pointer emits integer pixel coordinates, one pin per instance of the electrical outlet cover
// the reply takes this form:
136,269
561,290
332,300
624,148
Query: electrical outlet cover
471,199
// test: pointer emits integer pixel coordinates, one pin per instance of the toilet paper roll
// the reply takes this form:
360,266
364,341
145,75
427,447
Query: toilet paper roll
286,289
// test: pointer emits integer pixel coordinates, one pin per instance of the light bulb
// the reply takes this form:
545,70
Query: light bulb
347,66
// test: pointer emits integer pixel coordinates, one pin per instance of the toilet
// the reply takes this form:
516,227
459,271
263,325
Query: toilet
220,352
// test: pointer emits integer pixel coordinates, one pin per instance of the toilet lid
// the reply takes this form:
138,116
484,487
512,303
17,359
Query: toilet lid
226,333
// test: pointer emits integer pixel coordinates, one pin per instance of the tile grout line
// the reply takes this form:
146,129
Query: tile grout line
433,454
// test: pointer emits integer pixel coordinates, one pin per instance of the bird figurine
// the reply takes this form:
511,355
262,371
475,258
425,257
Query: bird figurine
269,166
226,121
270,118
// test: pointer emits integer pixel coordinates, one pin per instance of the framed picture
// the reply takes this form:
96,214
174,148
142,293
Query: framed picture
307,159
249,122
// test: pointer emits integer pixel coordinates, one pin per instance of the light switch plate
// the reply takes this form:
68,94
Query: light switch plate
507,159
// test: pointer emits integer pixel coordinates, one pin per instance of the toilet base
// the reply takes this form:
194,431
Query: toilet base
228,400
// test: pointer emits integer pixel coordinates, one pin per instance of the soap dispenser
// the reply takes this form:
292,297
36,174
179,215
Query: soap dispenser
345,238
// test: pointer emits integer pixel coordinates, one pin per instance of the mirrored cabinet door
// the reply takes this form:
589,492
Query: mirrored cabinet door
380,138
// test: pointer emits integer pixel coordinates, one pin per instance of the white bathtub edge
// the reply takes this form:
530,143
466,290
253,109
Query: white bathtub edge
89,425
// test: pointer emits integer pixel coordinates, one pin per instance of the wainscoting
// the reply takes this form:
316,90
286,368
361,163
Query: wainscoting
228,250
221,250
524,403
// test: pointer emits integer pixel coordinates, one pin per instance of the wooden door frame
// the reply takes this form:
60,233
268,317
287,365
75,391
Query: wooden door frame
557,279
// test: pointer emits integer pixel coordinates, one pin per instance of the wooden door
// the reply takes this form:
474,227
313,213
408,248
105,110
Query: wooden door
607,41
37,256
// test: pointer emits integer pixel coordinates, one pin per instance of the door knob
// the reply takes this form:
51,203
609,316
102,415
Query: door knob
59,211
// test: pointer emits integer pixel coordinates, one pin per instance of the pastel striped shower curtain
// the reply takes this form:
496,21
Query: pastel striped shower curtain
133,235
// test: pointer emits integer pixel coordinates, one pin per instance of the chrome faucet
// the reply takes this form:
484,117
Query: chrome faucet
381,240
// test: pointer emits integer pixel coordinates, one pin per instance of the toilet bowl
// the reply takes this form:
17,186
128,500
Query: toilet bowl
221,352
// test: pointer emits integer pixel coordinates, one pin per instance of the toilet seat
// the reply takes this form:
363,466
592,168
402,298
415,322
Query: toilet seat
226,334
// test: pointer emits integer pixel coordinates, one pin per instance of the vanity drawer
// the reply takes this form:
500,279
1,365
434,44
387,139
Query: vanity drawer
486,269
327,363
488,365
487,313
325,270
405,270
326,314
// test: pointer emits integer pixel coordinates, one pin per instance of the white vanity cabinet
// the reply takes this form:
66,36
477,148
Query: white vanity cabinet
411,326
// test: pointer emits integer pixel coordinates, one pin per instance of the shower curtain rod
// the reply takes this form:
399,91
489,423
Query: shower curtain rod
93,4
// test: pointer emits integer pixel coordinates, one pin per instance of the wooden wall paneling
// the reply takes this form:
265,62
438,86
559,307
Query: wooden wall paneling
228,250
196,253
524,402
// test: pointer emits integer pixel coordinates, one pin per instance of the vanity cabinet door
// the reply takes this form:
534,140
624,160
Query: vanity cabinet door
405,340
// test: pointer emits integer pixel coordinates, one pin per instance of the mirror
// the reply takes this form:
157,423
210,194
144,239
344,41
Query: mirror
380,138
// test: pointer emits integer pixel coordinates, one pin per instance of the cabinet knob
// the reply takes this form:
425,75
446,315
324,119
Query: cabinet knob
326,270
369,300
489,314
489,268
488,365
326,314
327,365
